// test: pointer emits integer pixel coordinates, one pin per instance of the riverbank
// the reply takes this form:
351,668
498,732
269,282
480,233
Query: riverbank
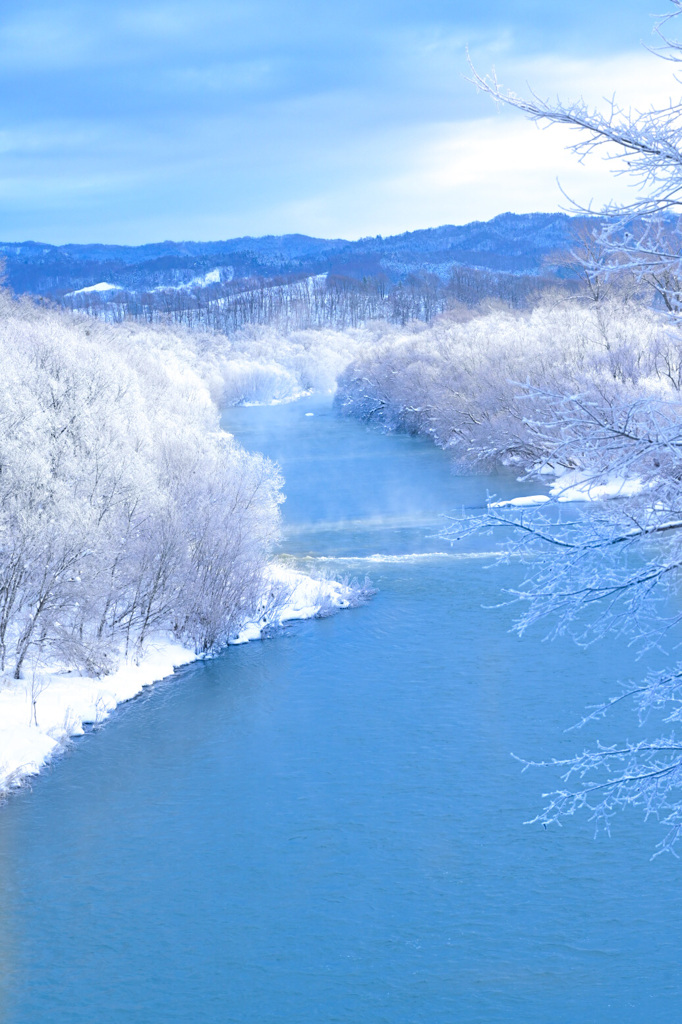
41,713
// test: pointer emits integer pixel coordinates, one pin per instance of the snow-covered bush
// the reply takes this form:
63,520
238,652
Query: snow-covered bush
474,386
245,381
256,364
265,363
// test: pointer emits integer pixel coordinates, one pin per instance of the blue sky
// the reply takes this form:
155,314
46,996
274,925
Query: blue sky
134,122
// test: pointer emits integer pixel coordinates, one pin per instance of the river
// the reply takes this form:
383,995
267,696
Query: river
328,826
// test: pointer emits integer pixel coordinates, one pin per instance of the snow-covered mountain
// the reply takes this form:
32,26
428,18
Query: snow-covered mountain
510,243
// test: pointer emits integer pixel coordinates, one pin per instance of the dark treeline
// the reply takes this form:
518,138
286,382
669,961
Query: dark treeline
298,302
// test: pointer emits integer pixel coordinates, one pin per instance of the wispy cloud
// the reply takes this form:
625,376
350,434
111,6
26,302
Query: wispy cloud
147,120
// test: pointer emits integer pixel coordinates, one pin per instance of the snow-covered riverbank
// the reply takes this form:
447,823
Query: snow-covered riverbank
579,485
42,712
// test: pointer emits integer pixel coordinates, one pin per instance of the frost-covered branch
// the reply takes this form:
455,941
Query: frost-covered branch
586,397
642,237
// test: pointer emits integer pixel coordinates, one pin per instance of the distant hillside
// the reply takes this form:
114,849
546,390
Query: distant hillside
509,244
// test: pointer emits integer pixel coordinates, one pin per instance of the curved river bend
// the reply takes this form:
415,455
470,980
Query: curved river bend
328,826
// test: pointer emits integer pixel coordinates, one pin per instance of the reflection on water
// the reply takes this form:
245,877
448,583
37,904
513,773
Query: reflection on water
327,826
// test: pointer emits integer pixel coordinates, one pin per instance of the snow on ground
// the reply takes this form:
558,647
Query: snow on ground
103,286
578,485
212,277
526,500
40,713
294,595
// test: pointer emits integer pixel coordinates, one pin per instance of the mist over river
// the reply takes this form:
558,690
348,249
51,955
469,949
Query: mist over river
328,826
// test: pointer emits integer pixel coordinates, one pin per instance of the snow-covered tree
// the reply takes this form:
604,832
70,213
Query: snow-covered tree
617,567
124,509
642,237
592,392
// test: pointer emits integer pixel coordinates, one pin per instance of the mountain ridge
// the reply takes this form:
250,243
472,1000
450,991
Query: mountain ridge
508,243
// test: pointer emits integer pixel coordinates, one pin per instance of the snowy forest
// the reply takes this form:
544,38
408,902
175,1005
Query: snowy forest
336,301
340,512
125,510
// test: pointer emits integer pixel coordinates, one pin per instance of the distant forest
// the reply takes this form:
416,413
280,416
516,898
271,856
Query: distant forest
336,301
295,282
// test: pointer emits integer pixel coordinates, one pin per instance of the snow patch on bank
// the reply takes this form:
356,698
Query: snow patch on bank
578,485
294,595
528,500
42,712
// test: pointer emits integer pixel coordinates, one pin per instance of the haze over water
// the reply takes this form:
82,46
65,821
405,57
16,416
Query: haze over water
328,826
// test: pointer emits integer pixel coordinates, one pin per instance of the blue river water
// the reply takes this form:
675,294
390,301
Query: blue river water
328,826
